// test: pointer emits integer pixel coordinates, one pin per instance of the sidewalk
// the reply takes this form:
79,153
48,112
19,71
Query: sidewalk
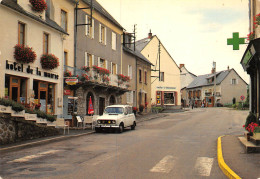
72,133
245,165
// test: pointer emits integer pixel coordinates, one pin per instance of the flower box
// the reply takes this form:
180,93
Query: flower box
18,114
5,109
49,61
256,136
38,5
24,54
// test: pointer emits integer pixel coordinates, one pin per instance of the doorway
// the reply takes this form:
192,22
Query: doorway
101,105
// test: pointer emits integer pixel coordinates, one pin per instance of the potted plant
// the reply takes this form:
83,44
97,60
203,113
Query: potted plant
85,68
134,110
256,133
257,19
38,5
67,73
24,54
251,36
49,61
141,108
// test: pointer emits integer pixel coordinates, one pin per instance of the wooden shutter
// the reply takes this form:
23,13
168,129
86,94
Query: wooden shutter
86,58
93,60
99,32
105,39
98,61
93,29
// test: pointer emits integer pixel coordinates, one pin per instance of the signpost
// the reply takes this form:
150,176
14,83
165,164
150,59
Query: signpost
235,41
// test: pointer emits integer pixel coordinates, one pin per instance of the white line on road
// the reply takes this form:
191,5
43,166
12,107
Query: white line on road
164,166
30,157
203,166
103,158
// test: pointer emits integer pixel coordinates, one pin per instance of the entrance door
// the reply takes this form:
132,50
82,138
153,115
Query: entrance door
101,105
15,88
42,95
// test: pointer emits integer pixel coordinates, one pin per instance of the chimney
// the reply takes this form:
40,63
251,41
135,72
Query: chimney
181,65
228,68
213,71
150,34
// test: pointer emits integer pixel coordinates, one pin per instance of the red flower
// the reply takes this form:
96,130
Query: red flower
38,5
24,54
49,61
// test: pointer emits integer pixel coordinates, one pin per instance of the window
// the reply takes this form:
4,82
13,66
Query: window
102,34
45,43
88,60
102,63
21,33
113,41
233,81
145,77
113,68
130,73
161,76
65,60
140,75
64,20
89,29
169,98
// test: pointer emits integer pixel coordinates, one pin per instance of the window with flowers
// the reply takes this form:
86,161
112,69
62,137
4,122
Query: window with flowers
38,5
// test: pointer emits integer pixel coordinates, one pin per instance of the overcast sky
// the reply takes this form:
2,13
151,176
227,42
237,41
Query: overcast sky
194,32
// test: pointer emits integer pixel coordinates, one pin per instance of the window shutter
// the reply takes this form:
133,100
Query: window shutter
106,64
93,60
231,81
99,32
86,58
86,27
128,69
105,36
116,68
111,67
131,97
98,61
93,29
128,98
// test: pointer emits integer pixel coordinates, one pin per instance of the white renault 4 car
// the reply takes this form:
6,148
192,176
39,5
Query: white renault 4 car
116,117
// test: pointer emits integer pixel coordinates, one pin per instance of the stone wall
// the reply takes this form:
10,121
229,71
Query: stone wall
17,129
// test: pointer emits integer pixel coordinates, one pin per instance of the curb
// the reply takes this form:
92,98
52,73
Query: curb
43,142
222,165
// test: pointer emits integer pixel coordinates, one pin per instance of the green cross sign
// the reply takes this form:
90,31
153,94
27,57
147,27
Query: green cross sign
235,41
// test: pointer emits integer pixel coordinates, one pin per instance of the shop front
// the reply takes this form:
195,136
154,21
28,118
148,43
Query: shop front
251,64
15,88
166,98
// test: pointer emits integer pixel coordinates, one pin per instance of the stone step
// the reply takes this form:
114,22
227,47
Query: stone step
249,146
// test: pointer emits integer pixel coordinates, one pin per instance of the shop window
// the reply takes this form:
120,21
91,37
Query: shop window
15,88
169,98
44,95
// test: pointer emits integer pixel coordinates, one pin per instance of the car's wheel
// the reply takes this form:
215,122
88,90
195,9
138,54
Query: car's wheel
133,126
121,128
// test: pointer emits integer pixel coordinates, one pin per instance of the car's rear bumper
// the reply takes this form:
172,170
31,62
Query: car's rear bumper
106,126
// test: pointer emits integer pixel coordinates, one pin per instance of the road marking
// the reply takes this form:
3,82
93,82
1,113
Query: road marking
102,158
203,166
30,157
165,165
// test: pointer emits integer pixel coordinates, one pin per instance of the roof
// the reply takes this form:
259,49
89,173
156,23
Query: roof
202,80
140,44
102,11
188,71
137,54
13,5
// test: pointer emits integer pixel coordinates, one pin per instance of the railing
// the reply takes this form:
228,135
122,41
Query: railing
208,93
96,77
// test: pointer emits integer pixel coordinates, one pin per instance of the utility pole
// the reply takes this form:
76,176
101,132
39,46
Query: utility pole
214,67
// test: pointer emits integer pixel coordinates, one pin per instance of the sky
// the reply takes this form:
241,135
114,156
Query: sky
194,32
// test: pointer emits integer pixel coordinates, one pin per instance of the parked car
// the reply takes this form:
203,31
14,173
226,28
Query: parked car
116,117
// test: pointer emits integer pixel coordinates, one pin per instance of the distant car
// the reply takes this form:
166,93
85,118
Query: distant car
116,117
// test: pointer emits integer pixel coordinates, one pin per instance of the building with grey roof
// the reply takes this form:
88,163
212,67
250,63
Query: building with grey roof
229,87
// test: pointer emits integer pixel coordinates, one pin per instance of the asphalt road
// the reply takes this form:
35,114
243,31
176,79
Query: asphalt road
179,145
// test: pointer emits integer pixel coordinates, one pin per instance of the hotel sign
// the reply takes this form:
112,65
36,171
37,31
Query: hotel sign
14,66
71,81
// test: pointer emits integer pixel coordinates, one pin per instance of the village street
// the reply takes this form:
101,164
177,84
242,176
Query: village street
178,145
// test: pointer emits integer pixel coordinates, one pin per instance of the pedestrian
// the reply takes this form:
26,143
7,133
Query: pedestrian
192,104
